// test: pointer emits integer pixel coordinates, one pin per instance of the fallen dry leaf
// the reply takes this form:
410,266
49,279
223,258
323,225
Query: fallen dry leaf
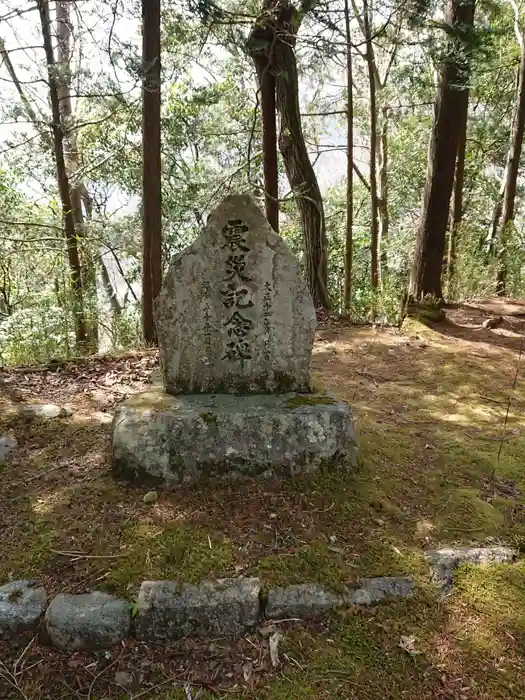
274,648
408,644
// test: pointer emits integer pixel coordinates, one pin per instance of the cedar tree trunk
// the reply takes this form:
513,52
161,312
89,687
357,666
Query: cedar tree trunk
151,166
446,131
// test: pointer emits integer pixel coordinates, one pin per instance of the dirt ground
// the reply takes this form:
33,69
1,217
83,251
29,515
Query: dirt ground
440,418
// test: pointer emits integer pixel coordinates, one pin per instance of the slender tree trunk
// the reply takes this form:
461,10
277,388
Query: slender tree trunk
457,200
269,144
276,33
347,291
504,210
63,181
446,130
384,218
151,166
374,200
266,79
71,157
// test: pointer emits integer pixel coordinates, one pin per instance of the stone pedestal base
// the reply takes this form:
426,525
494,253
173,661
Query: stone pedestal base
193,437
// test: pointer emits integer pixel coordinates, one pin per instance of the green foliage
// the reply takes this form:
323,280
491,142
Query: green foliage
211,145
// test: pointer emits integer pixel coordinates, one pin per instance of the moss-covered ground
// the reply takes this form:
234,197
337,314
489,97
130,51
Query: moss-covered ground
442,454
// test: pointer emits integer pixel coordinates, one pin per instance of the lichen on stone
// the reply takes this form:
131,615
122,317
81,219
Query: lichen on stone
309,400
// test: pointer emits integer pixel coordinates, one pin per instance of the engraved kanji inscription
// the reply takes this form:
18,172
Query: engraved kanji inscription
238,350
238,325
207,328
267,306
235,297
234,232
235,265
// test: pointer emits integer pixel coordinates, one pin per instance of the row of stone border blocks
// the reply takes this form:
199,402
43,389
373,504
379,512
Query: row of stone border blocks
167,611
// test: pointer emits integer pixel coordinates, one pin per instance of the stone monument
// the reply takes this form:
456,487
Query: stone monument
236,324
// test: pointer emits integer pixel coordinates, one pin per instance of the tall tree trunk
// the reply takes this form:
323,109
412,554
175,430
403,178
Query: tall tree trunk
63,181
457,200
446,130
384,218
347,292
151,166
504,210
280,22
262,60
269,144
374,200
71,157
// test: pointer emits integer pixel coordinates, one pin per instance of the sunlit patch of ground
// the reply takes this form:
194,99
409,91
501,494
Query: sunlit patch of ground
441,461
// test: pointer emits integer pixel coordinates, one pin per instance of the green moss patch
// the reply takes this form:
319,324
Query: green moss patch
464,510
306,400
312,562
177,552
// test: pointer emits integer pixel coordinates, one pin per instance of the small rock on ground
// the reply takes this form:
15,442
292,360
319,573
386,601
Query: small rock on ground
168,610
22,603
87,621
126,679
442,562
44,410
7,444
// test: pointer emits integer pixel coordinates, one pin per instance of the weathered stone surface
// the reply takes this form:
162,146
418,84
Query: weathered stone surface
309,600
374,590
304,600
443,561
87,621
168,610
187,438
22,603
234,314
7,445
44,410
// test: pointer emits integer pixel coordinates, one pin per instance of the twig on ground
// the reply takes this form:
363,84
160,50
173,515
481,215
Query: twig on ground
46,471
100,673
76,556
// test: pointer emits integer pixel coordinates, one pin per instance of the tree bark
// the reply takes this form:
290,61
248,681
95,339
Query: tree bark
63,181
504,209
446,130
269,144
457,200
347,291
266,79
374,201
71,157
275,35
151,166
384,218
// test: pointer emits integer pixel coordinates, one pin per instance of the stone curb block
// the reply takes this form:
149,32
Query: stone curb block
374,590
303,600
22,604
87,621
310,600
168,610
444,561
